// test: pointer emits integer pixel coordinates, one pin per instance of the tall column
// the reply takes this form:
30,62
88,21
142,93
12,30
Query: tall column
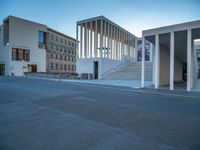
117,44
189,60
95,40
135,51
114,44
111,42
101,48
143,63
104,45
157,62
171,87
91,39
128,46
81,41
86,41
77,50
108,42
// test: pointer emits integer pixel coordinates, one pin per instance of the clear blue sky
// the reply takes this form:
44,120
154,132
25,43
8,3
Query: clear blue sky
133,15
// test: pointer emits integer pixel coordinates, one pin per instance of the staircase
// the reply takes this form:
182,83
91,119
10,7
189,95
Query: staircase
131,71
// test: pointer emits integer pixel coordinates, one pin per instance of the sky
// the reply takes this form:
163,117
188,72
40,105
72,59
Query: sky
132,15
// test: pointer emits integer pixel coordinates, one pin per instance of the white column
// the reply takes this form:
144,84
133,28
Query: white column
104,38
143,63
111,43
95,40
91,39
77,50
117,43
86,41
81,41
135,51
189,60
101,38
157,62
171,87
114,44
108,41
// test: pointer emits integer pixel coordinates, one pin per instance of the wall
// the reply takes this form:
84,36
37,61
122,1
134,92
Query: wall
24,34
86,65
164,65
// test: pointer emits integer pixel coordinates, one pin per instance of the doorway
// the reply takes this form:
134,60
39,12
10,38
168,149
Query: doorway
2,69
96,69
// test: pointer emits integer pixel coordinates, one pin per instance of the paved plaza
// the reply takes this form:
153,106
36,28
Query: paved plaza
38,114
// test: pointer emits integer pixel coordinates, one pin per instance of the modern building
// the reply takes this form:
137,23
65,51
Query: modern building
27,46
61,53
174,56
104,46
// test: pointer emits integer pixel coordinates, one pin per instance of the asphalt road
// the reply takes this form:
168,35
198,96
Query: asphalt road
47,115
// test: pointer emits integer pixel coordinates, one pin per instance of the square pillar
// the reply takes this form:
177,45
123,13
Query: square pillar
143,63
189,60
171,87
91,39
81,42
157,62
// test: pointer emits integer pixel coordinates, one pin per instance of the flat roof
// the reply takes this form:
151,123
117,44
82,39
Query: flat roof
104,18
172,28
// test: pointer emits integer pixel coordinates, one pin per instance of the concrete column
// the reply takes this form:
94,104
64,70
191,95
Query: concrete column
95,40
105,38
77,50
81,41
91,39
143,63
101,38
111,42
108,41
128,46
135,51
114,40
171,87
117,38
189,60
157,62
86,41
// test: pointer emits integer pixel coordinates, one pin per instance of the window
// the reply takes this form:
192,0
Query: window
65,58
51,66
20,54
56,39
68,58
65,42
60,57
6,32
61,67
65,67
52,37
69,67
56,66
56,56
61,40
57,48
72,44
72,52
69,43
51,56
41,39
65,51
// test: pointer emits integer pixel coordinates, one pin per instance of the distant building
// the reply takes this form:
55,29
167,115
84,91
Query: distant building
27,46
61,53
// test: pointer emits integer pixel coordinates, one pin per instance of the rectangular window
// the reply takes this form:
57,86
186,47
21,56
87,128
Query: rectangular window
51,56
65,67
56,39
61,40
20,54
41,39
52,37
51,66
6,32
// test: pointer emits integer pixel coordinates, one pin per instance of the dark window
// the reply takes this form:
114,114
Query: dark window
56,66
72,44
69,67
6,32
60,57
51,66
65,58
61,66
52,36
65,67
61,40
56,39
41,39
56,56
51,56
20,54
57,48
65,42
69,43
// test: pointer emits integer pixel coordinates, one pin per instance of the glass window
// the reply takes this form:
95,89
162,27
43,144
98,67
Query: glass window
14,54
51,56
56,39
61,40
41,39
65,67
21,54
52,37
51,66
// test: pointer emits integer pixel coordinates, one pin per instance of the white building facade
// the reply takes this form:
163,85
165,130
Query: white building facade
103,46
22,47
